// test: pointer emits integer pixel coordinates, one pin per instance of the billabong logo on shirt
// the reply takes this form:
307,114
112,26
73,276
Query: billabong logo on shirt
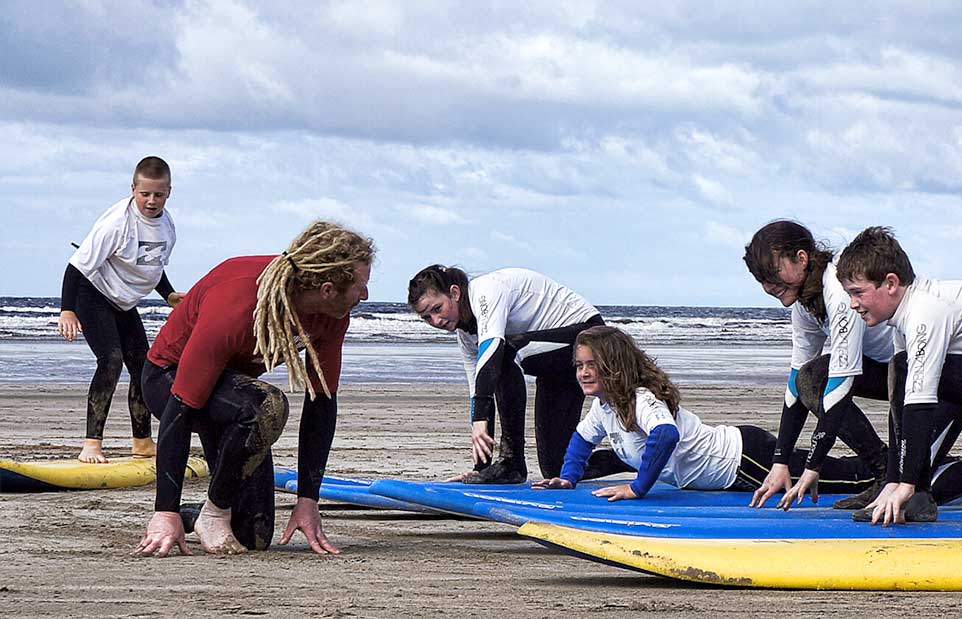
151,253
918,361
483,318
840,352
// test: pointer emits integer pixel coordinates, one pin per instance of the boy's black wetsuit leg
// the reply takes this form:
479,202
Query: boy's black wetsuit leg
937,473
837,476
133,343
100,330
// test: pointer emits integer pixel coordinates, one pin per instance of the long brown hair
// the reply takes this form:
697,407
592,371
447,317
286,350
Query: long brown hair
324,252
624,368
783,238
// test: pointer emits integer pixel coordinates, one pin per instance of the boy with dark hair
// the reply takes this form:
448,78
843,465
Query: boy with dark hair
927,368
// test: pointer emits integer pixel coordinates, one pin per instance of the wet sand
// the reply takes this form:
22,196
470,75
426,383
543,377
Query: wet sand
67,554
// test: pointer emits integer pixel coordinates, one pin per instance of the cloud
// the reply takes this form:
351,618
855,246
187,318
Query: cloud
566,136
434,215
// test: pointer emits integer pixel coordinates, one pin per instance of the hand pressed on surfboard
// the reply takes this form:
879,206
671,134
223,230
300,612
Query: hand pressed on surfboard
888,506
555,483
163,531
307,519
808,480
616,493
777,480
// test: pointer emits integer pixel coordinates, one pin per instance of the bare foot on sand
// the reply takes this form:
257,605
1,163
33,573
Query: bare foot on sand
144,448
92,452
213,529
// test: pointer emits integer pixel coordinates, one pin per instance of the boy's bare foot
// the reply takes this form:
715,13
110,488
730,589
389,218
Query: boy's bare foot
213,529
92,452
144,448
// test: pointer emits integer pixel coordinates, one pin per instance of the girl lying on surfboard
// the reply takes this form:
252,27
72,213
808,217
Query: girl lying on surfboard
638,408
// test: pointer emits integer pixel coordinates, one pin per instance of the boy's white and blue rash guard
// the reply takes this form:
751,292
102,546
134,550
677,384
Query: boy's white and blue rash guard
928,326
510,302
849,339
704,457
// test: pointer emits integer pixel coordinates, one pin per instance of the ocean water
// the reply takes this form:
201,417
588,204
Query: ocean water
387,343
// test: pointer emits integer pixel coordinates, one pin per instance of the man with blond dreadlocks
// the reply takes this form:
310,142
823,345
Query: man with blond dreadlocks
241,319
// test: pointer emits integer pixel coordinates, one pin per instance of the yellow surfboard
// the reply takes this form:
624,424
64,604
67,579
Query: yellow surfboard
850,564
75,475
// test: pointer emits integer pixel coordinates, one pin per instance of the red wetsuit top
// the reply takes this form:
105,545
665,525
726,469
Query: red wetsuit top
212,329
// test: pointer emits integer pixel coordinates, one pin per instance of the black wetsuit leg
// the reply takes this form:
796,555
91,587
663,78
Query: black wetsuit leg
945,427
855,430
511,397
117,339
557,406
837,476
242,419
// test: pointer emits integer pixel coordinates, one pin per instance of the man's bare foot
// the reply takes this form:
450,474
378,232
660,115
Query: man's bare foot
92,452
144,448
213,529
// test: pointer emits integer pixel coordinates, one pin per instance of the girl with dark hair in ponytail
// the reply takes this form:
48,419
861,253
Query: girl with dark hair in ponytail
512,322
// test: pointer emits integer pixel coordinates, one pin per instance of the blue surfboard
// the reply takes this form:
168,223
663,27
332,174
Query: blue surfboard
462,498
665,512
345,490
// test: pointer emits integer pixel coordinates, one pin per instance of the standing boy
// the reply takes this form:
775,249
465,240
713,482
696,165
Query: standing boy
119,262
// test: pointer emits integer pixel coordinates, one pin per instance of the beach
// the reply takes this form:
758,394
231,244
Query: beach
68,554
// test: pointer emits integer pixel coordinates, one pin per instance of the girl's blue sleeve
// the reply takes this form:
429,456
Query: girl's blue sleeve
661,442
576,457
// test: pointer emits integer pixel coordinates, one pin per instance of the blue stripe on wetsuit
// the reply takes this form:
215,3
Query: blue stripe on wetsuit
791,382
833,384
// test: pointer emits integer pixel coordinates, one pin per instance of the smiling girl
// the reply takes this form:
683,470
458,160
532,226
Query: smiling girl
791,266
637,407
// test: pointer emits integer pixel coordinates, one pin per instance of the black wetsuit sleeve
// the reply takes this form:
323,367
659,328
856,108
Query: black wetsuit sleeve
916,441
316,433
163,286
826,432
892,470
486,381
71,284
173,447
789,429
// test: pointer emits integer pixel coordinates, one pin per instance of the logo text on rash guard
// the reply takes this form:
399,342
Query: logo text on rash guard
151,253
918,361
840,351
483,318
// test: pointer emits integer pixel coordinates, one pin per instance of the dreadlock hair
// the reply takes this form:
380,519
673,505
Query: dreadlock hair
324,252
783,238
624,368
439,279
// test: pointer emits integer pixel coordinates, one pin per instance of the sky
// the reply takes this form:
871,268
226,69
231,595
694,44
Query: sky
628,150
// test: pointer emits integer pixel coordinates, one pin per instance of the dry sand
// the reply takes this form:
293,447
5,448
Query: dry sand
67,554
